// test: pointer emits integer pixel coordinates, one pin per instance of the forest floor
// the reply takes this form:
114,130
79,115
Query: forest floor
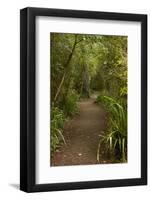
82,135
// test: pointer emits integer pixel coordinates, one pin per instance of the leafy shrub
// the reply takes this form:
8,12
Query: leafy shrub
57,123
116,136
123,91
70,106
123,97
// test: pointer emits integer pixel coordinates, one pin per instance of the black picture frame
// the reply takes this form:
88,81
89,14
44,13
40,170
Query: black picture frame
28,99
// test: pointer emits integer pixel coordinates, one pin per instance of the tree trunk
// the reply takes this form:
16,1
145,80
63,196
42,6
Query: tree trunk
65,71
86,82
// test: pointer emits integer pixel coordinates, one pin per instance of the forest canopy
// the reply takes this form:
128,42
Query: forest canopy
84,63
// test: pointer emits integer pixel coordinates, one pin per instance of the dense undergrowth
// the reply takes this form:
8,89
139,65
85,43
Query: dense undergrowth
59,115
115,137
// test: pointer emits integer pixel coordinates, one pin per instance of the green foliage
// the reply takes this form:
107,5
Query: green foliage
57,123
70,106
123,91
97,62
116,136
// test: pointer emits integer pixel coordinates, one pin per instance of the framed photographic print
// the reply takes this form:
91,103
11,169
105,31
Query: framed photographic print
83,99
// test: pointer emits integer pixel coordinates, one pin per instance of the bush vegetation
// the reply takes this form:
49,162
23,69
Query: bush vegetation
70,106
57,123
115,138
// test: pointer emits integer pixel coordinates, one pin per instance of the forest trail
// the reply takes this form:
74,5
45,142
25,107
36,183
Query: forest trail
82,134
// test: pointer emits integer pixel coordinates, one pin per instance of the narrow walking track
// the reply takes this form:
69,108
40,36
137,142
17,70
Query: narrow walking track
82,136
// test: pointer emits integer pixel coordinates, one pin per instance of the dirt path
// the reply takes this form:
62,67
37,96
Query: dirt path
82,136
